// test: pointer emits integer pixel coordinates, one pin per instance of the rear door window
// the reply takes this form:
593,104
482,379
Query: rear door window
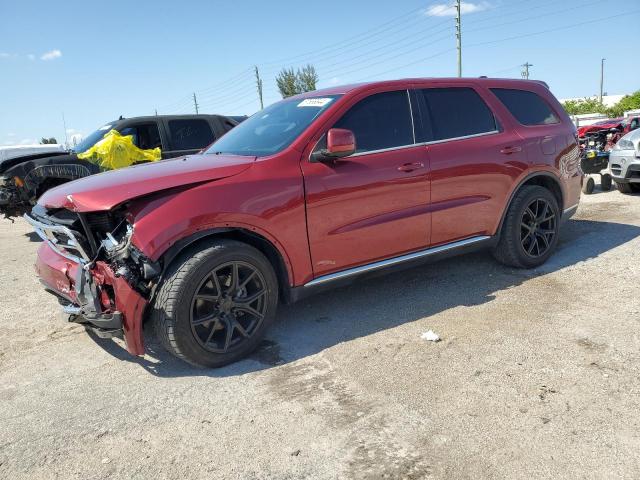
454,112
527,107
145,136
380,121
190,134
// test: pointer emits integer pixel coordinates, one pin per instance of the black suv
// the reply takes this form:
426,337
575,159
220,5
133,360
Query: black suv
24,179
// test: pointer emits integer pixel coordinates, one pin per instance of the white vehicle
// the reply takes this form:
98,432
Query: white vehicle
624,163
13,151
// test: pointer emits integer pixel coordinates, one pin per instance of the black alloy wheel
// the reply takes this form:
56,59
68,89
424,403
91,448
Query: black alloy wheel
530,228
228,306
538,228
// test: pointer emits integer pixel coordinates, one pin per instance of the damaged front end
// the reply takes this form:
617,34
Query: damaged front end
89,262
14,200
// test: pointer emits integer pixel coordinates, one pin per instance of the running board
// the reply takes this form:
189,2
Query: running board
325,279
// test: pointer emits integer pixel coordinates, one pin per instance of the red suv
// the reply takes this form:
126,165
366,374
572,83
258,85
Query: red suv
313,191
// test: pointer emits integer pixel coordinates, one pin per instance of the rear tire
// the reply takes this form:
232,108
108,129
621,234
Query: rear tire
204,312
605,182
588,186
530,230
624,187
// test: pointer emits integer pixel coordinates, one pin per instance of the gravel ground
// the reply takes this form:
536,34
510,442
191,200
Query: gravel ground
537,376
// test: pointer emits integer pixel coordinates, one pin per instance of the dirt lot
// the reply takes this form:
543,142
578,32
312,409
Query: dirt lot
537,376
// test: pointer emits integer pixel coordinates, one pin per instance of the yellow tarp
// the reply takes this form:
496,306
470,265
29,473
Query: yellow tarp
118,151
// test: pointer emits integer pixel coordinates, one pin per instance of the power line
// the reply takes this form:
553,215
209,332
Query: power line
555,12
588,22
345,41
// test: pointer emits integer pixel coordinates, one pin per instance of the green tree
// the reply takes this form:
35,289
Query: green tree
48,141
307,79
585,105
291,83
626,103
287,82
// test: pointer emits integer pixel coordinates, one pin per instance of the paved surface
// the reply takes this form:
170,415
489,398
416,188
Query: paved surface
537,376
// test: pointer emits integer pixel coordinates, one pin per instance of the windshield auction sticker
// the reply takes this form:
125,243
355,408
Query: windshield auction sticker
314,102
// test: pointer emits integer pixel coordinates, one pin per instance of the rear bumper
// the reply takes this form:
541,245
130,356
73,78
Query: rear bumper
95,295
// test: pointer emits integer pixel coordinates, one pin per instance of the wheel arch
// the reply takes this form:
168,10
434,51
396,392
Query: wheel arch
276,257
543,179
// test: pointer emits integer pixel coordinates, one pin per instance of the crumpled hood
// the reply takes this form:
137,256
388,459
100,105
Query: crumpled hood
106,190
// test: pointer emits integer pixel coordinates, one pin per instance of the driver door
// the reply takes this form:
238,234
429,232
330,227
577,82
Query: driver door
373,204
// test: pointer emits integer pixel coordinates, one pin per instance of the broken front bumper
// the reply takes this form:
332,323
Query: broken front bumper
95,295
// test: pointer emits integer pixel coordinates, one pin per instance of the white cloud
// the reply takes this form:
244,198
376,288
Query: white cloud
334,81
11,134
7,55
28,141
52,55
449,10
31,56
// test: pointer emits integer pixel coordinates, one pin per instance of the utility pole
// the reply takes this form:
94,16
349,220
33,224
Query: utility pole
601,78
195,102
259,85
525,71
156,112
459,37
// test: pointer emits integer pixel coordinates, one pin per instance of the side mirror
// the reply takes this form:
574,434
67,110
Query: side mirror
340,143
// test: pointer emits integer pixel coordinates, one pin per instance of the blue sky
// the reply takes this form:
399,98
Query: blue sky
96,61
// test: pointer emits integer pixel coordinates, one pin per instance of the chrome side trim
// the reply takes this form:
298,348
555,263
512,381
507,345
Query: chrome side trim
432,142
47,233
395,260
382,150
464,137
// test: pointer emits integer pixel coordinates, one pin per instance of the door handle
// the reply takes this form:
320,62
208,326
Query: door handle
410,167
510,150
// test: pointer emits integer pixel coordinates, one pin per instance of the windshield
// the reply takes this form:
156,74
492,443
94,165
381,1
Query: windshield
90,140
272,129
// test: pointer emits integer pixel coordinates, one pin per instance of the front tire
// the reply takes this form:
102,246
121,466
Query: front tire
530,230
624,187
216,302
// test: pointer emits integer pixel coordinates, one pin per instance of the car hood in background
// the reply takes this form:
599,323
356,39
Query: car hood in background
106,190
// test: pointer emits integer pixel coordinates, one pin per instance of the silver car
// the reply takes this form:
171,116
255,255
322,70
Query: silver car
624,162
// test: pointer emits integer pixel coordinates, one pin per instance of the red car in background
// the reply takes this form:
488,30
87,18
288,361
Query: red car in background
624,125
312,192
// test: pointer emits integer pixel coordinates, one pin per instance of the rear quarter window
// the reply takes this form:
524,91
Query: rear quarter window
527,107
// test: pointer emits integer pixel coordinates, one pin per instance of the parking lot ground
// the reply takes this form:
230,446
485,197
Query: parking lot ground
537,376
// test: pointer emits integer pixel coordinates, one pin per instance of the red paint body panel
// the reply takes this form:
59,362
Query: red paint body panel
129,303
56,272
106,190
326,217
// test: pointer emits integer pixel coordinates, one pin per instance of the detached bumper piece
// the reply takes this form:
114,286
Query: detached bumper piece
93,294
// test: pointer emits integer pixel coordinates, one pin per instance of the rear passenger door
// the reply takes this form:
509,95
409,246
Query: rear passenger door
188,136
473,161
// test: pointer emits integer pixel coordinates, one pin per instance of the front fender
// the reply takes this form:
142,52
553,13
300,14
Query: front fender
275,213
